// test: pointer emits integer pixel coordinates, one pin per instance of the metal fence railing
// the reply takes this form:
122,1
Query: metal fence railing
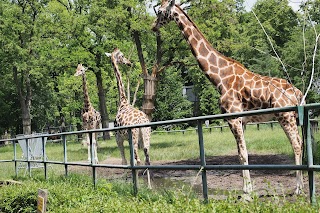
303,120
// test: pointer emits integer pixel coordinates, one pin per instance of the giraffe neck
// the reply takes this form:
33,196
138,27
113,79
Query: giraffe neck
212,63
122,94
87,103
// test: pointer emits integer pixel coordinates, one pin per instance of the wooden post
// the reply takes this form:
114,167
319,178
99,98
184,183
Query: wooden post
149,95
42,200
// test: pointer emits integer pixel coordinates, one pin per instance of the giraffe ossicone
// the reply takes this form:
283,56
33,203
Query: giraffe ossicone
91,118
128,115
240,89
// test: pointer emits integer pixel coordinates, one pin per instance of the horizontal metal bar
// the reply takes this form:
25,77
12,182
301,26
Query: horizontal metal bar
208,117
177,121
188,167
226,167
314,167
4,161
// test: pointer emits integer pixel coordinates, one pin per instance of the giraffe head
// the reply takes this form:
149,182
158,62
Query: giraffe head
118,57
80,70
164,14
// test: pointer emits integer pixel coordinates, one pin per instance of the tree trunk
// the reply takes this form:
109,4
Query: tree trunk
102,105
24,98
62,119
150,81
150,86
26,118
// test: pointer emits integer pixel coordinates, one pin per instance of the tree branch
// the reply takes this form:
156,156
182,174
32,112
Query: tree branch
140,53
66,6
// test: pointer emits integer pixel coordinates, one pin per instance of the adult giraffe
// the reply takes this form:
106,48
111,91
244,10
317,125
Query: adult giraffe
240,89
128,115
91,118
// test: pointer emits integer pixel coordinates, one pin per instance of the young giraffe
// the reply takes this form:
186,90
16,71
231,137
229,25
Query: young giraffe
91,118
128,115
240,88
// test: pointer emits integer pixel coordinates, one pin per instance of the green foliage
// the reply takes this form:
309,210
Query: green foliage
19,200
170,99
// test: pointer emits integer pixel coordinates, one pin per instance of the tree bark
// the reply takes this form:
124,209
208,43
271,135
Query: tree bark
150,81
102,105
24,98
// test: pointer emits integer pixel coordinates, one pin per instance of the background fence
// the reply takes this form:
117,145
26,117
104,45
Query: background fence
303,120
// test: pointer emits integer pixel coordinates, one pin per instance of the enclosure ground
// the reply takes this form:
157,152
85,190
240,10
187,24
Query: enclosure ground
267,183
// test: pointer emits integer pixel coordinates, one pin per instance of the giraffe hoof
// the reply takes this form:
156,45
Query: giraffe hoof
245,197
298,191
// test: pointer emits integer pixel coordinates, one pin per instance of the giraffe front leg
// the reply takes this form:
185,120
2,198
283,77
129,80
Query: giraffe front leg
237,130
88,146
94,145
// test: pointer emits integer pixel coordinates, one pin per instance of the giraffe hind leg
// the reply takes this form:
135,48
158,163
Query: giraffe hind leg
145,133
288,123
135,141
120,141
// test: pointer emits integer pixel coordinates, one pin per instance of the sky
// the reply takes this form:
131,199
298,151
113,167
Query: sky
249,4
293,3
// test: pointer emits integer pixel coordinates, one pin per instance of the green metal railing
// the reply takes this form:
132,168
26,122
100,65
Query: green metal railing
303,120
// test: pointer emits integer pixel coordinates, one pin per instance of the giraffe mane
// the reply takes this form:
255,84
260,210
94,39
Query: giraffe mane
200,32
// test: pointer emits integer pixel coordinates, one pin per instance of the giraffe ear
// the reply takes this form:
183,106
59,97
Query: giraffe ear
171,3
108,54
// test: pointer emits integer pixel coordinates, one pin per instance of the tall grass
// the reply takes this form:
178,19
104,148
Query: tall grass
75,194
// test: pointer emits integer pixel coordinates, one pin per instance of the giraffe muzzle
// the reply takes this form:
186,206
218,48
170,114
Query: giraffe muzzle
154,28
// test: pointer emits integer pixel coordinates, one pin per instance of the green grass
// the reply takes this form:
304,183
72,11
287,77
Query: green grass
75,193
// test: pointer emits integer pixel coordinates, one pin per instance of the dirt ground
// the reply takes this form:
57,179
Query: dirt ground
266,183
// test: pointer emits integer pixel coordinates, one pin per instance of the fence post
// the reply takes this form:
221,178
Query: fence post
203,163
28,157
64,141
132,157
15,157
44,158
307,139
93,161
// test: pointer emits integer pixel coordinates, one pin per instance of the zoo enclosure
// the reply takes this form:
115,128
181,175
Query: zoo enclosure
302,120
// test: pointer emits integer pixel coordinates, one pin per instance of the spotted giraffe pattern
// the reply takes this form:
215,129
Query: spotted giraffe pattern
91,118
128,115
240,89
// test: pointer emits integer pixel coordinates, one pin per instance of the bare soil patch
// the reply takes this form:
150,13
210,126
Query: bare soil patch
266,182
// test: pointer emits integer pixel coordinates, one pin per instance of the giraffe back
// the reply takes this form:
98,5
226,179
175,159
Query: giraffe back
128,115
